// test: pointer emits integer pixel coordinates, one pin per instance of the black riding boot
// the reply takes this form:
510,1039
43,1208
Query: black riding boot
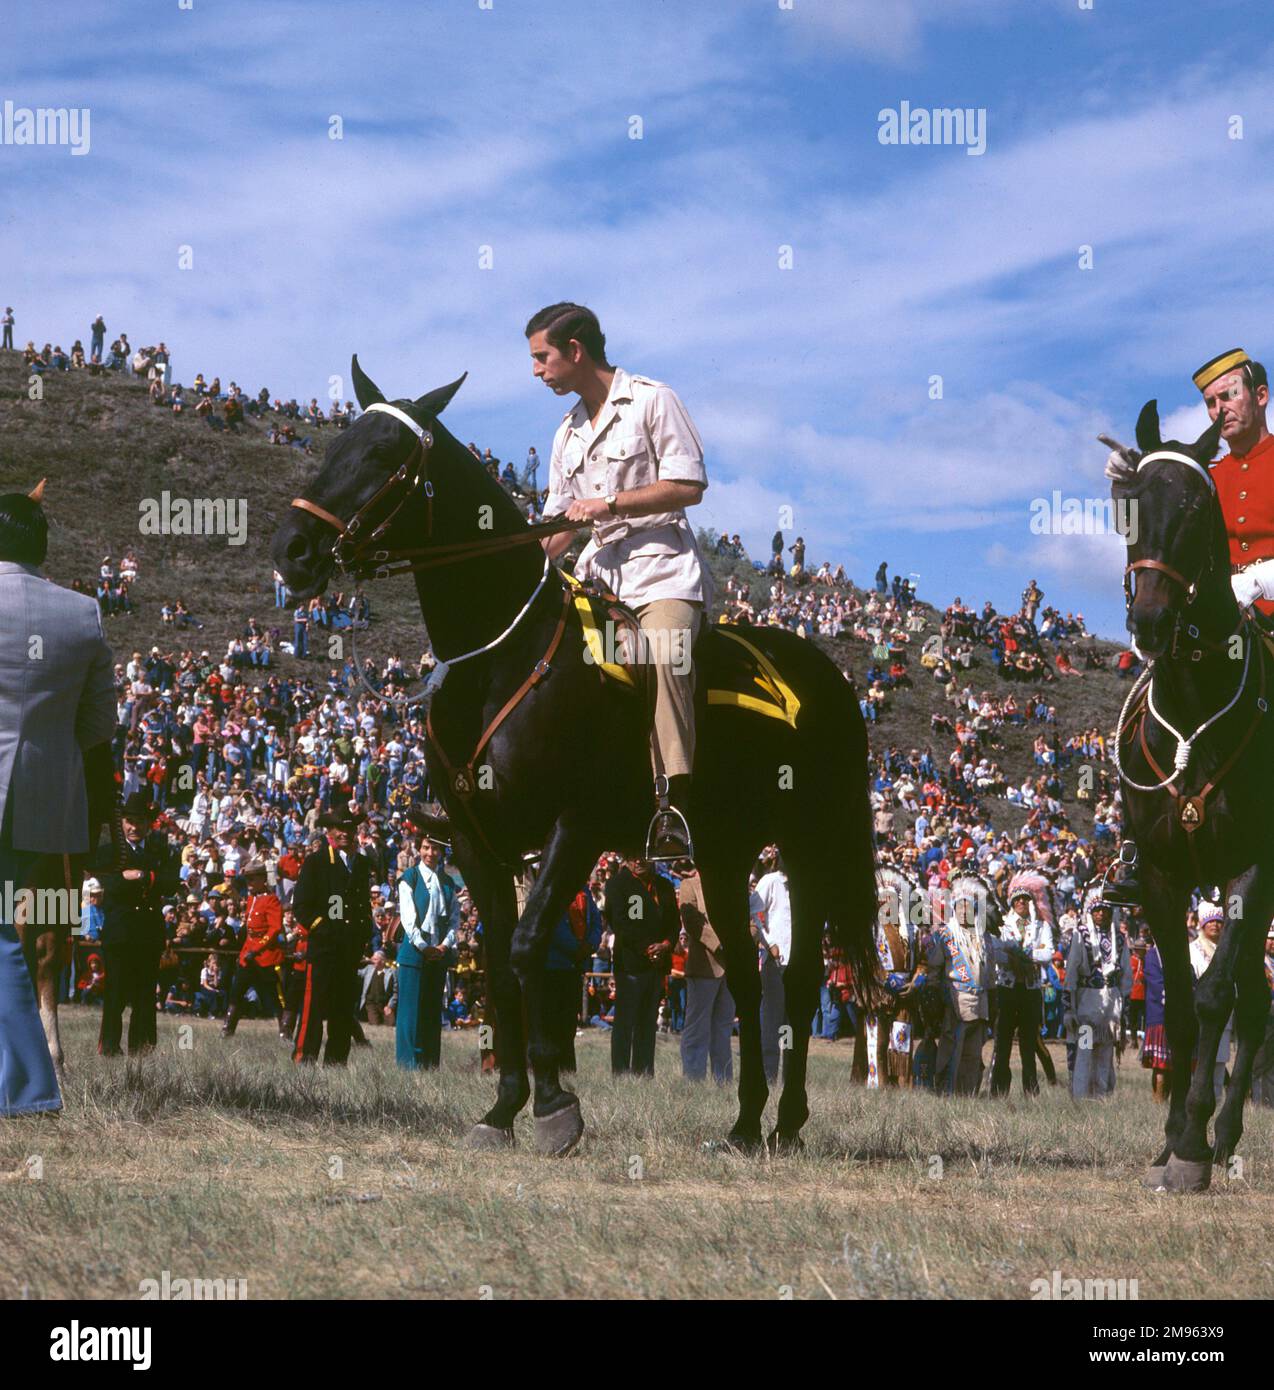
231,1023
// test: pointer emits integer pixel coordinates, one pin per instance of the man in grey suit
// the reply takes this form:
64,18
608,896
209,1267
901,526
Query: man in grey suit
57,713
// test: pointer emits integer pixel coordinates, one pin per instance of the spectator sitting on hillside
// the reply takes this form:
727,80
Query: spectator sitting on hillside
200,387
232,409
183,617
77,354
178,401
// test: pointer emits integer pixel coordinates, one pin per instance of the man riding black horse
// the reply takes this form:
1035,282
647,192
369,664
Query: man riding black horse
534,746
628,458
1194,749
1236,392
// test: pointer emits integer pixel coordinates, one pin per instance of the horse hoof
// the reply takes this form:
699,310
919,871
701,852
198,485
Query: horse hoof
488,1137
785,1143
557,1134
734,1144
1153,1178
1185,1175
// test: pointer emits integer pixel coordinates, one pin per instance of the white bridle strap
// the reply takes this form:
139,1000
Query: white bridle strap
401,416
1171,454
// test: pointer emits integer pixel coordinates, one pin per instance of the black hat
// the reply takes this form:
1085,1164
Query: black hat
435,828
338,819
138,806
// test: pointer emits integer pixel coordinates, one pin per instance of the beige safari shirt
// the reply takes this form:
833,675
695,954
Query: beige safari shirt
643,434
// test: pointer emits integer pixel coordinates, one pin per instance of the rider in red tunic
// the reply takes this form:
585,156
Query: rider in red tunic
262,951
1236,387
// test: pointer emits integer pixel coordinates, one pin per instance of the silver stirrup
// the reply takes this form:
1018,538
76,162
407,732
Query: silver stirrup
665,808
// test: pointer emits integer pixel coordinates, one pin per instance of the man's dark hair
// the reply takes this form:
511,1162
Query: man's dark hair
24,529
562,322
1256,376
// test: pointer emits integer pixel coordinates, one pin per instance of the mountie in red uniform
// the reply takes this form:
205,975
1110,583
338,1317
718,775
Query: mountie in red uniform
1245,487
260,958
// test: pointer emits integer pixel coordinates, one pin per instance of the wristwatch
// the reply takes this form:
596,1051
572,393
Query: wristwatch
611,502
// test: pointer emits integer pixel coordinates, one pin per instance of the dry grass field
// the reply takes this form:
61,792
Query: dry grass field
220,1160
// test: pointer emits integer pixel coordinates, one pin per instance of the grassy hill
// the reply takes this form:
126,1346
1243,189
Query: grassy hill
105,450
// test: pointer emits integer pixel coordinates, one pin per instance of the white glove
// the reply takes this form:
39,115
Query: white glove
1257,581
1121,466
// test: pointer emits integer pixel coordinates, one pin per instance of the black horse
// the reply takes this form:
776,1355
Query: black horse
1199,814
566,773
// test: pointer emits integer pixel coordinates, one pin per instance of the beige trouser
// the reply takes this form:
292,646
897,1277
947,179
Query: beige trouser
670,626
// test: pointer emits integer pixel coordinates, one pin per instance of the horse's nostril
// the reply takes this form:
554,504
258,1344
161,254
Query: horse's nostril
297,548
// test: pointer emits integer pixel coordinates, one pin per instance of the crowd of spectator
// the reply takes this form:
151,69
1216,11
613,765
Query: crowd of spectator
244,757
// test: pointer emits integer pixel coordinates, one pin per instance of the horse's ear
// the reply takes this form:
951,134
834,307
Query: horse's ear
37,492
433,403
1204,448
1148,437
365,388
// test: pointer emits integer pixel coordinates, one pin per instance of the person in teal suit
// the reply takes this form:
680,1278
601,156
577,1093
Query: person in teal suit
427,907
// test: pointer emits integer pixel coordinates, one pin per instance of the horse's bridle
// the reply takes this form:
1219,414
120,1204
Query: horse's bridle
1190,587
355,554
355,557
350,546
1193,809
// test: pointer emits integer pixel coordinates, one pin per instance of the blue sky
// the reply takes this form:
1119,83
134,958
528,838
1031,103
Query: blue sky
508,128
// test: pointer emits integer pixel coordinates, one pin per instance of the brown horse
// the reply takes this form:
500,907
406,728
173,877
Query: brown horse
46,938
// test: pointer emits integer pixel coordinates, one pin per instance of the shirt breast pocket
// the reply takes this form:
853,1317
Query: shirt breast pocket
629,463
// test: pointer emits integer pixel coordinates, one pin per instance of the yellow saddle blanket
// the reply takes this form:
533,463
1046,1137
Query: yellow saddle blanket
740,673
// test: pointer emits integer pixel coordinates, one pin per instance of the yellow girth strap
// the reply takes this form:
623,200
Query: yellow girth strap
781,702
584,606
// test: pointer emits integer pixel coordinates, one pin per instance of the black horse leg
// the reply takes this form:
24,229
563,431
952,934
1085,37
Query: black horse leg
801,981
492,890
725,891
569,854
